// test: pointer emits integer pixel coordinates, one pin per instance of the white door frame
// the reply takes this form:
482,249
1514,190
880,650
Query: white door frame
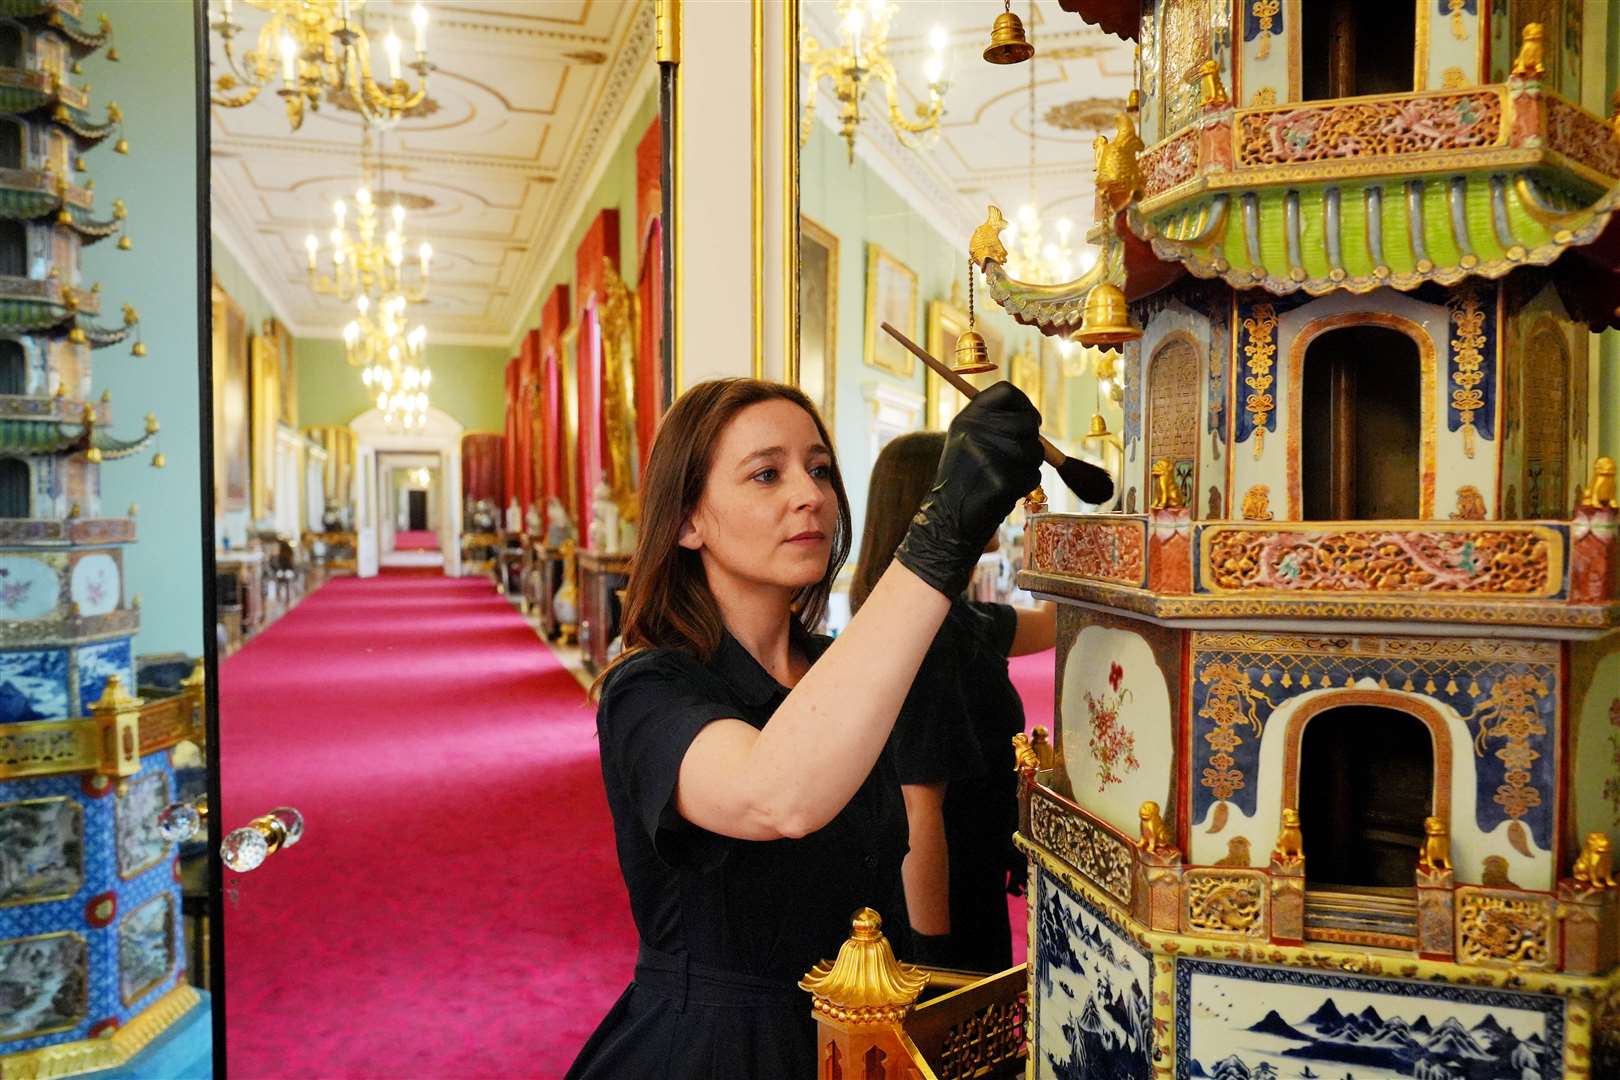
441,435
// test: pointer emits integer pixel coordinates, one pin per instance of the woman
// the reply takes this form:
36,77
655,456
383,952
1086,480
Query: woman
952,743
740,753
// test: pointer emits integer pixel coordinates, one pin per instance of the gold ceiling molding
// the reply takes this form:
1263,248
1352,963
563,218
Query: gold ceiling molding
246,145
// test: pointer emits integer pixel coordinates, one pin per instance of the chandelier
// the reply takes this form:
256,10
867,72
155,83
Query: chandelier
365,263
319,48
392,360
861,57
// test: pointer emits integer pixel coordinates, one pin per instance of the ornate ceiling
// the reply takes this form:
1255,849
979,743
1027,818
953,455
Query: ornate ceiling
527,99
1082,76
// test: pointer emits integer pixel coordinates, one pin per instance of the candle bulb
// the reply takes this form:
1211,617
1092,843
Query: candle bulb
399,216
289,59
311,245
425,252
391,45
340,208
419,19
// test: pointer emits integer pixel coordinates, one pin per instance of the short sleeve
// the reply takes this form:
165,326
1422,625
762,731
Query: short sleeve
650,711
933,738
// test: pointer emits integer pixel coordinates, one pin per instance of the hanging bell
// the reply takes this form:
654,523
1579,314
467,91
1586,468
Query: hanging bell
124,243
1007,42
972,357
159,461
93,455
121,146
1107,319
139,349
1099,427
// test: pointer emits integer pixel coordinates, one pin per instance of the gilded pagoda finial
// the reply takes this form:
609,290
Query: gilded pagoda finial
1119,177
985,244
866,984
1211,92
1528,64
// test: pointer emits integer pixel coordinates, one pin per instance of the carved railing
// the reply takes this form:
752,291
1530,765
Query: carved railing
870,1023
111,741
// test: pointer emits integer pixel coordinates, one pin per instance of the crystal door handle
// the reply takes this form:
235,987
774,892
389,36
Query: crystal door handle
245,849
181,821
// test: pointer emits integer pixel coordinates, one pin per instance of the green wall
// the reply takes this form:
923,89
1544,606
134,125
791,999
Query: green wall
616,188
234,280
469,383
154,81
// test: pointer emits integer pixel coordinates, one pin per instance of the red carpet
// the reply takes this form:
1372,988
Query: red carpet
455,909
416,540
1034,676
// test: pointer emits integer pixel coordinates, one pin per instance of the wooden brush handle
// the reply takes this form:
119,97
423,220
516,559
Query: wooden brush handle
1054,456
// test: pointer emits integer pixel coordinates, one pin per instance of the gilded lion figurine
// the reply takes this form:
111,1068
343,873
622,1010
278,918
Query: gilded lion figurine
1594,869
1155,836
1436,854
1290,840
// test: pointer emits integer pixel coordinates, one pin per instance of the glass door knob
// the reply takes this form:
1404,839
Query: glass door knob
246,848
180,821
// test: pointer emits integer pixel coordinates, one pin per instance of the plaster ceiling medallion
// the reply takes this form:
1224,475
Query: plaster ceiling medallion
344,99
586,56
1085,114
410,200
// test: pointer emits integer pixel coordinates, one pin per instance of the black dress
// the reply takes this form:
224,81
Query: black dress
956,727
727,927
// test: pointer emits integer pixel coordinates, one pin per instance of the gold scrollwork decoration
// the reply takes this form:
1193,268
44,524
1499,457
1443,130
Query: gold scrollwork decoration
1496,928
1103,859
1468,315
1227,903
1261,351
1229,705
1265,12
1510,712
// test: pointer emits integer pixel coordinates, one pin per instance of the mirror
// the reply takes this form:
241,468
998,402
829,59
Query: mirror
890,194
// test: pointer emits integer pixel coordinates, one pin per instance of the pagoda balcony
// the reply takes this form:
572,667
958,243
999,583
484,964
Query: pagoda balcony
1389,190
1539,578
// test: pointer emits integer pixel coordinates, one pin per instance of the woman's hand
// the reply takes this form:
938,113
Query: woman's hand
992,459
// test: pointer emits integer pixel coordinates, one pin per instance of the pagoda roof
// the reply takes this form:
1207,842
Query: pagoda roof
48,438
1122,18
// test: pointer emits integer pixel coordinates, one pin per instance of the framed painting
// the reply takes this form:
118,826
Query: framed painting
230,362
1024,372
948,320
266,415
818,316
891,297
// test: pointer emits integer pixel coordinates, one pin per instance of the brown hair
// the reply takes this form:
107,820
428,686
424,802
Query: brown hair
667,603
902,475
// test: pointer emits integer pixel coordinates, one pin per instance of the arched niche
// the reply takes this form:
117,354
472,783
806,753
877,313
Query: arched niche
1545,379
1364,768
1173,384
13,367
14,484
1360,380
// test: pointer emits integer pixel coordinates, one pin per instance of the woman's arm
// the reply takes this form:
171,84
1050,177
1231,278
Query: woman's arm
794,775
927,869
1037,628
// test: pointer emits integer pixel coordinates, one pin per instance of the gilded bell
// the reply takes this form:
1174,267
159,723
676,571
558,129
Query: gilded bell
1007,42
158,460
1099,427
1107,319
972,357
139,349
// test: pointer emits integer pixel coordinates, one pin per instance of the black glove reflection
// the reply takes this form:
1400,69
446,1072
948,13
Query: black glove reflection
992,458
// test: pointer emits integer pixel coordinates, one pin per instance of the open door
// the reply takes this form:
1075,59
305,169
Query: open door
365,512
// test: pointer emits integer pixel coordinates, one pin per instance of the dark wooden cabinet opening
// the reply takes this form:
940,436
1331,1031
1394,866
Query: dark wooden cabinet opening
1352,48
1366,784
13,488
1360,443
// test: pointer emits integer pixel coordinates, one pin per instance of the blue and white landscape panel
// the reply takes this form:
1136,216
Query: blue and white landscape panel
1242,1022
1093,993
33,685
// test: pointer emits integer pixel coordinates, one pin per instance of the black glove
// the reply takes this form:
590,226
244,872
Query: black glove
992,459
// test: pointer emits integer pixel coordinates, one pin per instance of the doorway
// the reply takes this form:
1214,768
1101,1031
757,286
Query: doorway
1362,387
1357,47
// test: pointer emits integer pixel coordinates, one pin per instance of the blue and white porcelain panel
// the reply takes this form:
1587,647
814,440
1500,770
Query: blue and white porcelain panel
41,850
1093,999
1243,1022
97,663
33,685
73,958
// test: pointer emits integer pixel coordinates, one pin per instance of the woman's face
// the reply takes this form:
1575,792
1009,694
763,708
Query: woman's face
768,512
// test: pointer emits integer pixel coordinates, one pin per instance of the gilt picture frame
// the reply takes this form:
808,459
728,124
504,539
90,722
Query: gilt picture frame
891,297
818,316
